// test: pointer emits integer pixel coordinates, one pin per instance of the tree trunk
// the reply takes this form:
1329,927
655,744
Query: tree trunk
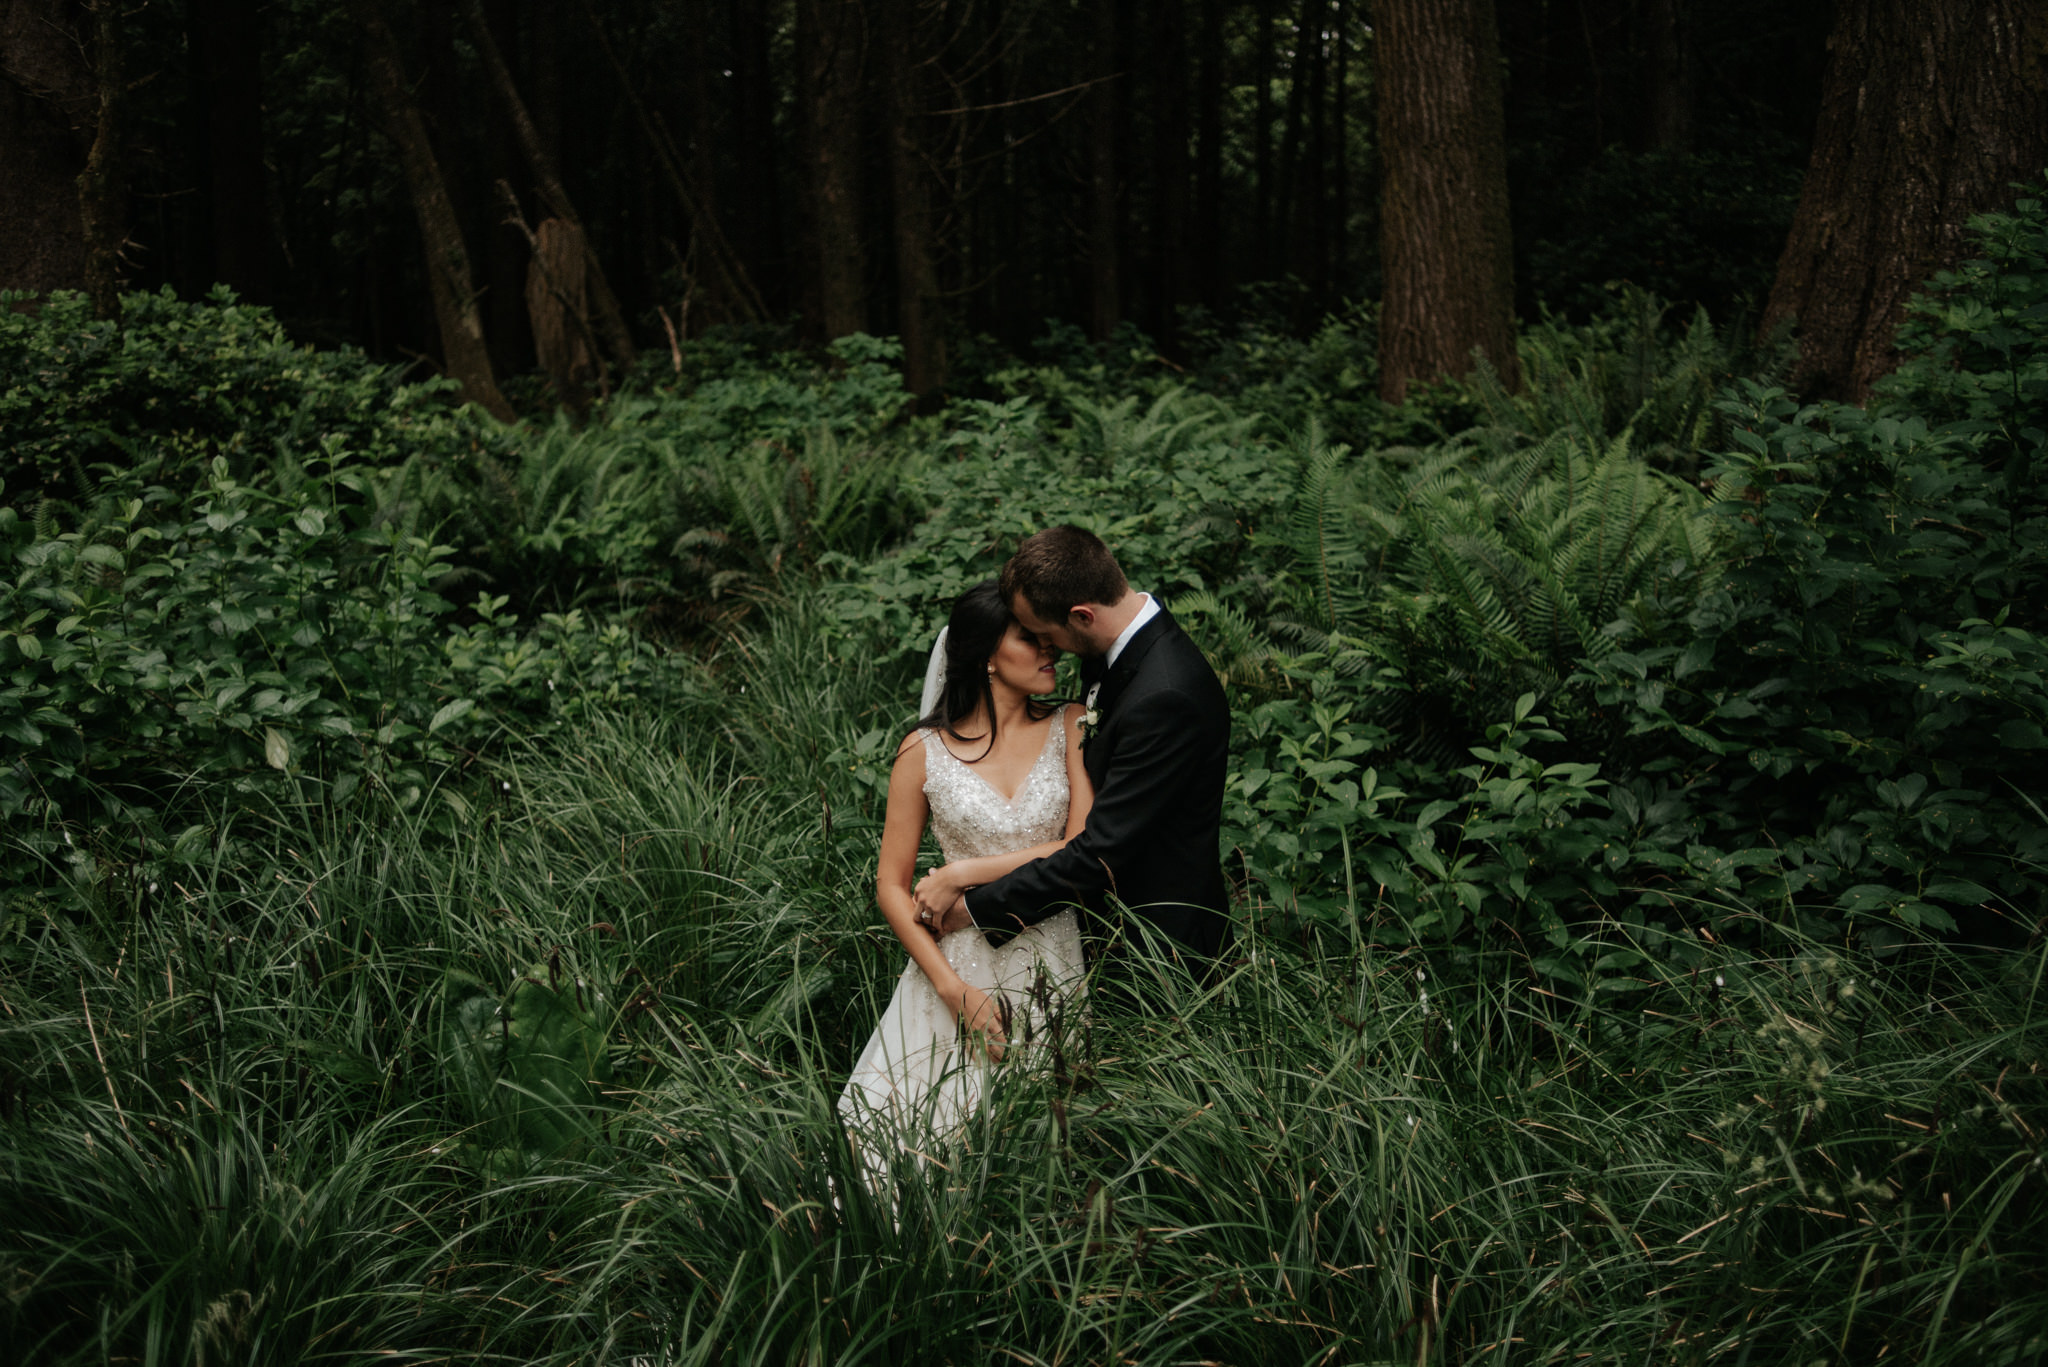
463,352
1930,109
611,319
1445,240
718,307
46,92
227,56
917,279
1340,160
1307,49
1105,219
758,215
102,185
1261,253
557,304
1667,77
833,44
1208,251
1170,170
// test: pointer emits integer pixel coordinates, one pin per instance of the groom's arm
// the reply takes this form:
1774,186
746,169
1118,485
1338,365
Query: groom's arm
1159,762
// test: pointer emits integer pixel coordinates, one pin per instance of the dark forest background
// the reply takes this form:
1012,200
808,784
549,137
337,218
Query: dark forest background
806,167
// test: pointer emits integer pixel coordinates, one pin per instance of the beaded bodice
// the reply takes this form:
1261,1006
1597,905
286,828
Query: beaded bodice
971,819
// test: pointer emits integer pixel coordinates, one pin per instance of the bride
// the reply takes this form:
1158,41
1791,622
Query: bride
998,772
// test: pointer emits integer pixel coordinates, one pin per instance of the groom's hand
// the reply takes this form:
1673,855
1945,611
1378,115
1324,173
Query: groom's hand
955,917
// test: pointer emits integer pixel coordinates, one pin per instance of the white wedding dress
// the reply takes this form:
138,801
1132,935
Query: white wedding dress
919,1077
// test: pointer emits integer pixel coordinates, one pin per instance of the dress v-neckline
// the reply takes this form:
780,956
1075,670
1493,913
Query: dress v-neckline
1058,720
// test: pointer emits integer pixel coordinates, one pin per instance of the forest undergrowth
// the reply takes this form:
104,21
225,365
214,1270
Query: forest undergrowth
438,867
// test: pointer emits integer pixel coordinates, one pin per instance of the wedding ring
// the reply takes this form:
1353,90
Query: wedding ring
925,917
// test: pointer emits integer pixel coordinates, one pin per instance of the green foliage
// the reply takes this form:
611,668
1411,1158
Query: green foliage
1862,685
184,383
443,1098
681,500
1624,372
233,638
1171,484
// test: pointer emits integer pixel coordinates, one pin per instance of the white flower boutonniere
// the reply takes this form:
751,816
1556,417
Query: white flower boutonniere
1090,719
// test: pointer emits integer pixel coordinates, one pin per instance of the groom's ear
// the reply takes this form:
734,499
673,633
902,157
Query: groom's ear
1081,615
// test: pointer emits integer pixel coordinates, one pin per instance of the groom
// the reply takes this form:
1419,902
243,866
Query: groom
1155,749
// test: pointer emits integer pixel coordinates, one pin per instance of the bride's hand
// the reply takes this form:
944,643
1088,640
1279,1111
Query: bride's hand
983,1014
937,891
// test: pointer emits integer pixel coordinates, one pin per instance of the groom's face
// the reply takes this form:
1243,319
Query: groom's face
1062,635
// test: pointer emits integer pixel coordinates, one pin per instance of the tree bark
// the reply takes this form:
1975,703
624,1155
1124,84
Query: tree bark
46,93
547,178
227,54
832,41
1207,249
1170,170
1446,245
1105,217
463,351
1667,77
917,279
103,184
1261,254
1930,110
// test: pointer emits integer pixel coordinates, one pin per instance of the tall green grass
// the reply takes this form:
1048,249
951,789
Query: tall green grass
243,1119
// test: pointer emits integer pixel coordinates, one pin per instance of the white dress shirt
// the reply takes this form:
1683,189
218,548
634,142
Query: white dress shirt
1116,648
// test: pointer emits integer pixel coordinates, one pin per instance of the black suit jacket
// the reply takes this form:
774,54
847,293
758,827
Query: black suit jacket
1157,760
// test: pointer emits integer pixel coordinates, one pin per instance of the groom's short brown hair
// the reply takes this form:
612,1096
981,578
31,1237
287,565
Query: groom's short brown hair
1060,568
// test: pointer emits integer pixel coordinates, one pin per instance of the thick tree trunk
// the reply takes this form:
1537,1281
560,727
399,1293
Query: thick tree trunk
833,43
917,278
463,352
1930,110
1105,216
547,178
46,94
103,184
1445,240
227,57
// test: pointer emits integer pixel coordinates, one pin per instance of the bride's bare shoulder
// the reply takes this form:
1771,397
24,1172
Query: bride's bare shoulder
911,751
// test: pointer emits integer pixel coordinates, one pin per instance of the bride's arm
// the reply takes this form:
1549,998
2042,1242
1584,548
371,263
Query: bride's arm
902,830
938,890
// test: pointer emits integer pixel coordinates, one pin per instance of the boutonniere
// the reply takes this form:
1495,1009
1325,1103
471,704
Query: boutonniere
1090,719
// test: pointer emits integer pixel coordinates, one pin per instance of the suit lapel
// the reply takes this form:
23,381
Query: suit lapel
1126,668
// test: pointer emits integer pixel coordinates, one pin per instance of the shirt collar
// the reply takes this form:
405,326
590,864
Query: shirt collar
1145,614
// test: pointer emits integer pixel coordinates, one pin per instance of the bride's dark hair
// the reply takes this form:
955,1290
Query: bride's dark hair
975,629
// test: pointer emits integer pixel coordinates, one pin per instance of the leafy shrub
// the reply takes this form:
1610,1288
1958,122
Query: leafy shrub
183,383
228,636
1862,686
